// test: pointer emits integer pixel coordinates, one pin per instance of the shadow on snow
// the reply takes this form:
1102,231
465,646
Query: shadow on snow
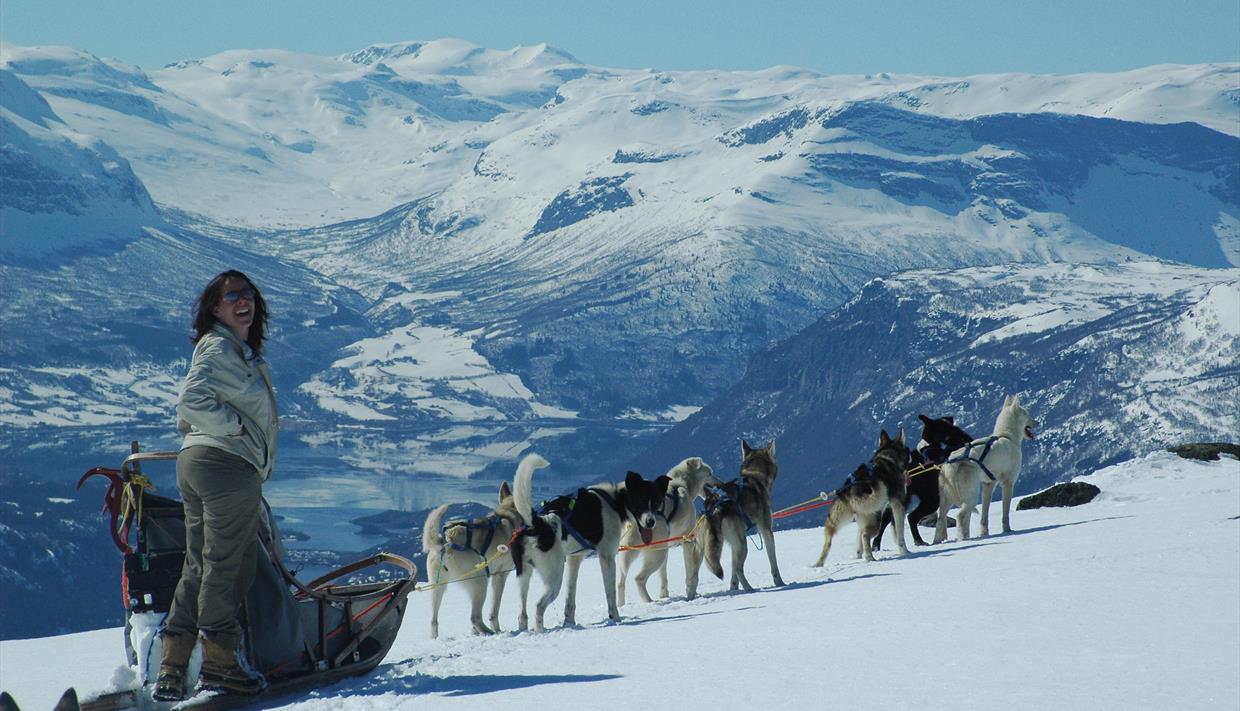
393,682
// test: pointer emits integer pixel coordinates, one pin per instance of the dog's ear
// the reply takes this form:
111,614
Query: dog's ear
505,492
1007,400
950,420
770,449
923,418
745,448
1016,400
883,439
900,437
660,485
694,463
633,480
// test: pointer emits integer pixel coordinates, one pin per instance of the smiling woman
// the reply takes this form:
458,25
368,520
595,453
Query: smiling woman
227,412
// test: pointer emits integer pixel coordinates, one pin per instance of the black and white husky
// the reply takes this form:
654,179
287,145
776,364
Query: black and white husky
939,437
732,509
457,553
676,518
989,461
568,528
871,488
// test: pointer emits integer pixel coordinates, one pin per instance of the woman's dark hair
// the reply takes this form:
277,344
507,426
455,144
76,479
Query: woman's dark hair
204,307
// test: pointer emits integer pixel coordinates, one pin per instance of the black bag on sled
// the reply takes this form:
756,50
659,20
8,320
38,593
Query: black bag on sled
295,634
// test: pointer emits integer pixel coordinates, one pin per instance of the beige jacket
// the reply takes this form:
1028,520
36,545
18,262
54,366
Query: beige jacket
227,401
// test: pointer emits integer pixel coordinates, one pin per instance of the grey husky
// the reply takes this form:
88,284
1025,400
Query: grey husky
676,518
867,493
731,510
989,461
456,549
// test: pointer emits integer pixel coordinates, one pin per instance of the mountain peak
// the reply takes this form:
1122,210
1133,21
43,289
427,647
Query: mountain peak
77,64
458,57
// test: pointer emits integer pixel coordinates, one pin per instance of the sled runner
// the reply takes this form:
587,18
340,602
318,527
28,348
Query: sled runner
298,635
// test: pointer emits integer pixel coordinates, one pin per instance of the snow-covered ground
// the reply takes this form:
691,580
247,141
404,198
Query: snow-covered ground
1131,601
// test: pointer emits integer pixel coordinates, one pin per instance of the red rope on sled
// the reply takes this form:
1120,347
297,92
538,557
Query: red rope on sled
801,509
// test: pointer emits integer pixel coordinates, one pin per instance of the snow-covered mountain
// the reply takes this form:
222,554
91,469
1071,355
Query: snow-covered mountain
279,138
1112,360
62,193
618,243
1068,611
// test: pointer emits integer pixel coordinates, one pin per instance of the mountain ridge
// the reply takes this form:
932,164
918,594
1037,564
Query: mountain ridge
1114,360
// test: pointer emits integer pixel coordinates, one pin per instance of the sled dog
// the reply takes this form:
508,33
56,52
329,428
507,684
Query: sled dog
939,437
731,510
456,549
873,487
537,546
989,461
568,528
677,517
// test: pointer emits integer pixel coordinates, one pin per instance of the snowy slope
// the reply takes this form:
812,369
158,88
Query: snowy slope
1127,602
62,193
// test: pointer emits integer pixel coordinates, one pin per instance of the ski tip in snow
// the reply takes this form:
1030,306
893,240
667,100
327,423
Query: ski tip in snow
68,701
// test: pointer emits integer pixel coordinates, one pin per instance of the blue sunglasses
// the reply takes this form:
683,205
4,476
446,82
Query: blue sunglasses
237,294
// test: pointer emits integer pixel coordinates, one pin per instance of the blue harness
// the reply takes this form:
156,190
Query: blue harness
721,497
572,501
968,455
492,522
858,476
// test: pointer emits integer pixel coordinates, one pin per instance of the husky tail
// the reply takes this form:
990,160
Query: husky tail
432,540
522,485
712,545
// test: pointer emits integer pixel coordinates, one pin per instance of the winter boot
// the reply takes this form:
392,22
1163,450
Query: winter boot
171,683
222,670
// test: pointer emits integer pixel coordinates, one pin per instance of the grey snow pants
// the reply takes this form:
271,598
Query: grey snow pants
223,496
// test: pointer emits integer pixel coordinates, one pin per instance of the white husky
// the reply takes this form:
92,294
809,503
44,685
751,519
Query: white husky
987,461
467,553
677,518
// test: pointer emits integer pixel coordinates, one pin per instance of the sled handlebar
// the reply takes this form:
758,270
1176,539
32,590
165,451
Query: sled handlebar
132,461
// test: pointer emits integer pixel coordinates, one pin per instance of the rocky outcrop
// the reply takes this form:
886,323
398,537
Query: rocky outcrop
1206,451
1073,493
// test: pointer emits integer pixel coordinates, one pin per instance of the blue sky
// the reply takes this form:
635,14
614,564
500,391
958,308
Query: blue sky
928,36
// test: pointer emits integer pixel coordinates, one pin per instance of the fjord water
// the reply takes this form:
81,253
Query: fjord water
326,478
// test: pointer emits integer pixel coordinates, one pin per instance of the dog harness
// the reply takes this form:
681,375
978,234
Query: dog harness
562,506
864,472
968,454
721,497
675,507
492,522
